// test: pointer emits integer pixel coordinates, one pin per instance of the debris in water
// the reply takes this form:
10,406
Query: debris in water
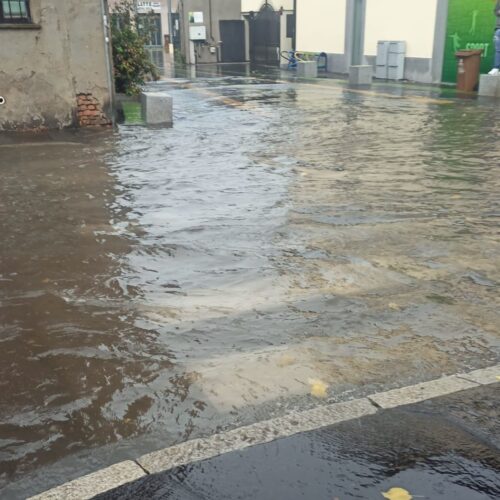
318,388
397,494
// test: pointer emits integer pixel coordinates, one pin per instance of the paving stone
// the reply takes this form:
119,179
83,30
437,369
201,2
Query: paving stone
263,432
421,392
98,482
485,376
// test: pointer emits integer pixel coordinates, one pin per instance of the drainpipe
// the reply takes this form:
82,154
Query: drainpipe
210,17
109,58
170,24
212,32
294,40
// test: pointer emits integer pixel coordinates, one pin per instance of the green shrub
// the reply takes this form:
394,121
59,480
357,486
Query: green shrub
132,66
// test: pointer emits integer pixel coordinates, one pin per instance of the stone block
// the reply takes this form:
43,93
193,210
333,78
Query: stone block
421,392
157,108
489,86
490,375
255,434
96,483
307,69
360,75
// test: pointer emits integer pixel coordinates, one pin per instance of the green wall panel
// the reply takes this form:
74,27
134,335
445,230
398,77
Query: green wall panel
471,24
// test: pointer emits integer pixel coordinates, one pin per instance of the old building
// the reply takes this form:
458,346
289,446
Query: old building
211,31
160,15
270,29
55,64
349,31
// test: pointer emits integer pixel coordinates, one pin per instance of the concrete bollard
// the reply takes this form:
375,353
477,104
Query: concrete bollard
489,85
307,69
360,75
157,108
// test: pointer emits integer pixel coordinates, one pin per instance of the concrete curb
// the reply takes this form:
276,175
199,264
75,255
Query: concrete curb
95,483
265,432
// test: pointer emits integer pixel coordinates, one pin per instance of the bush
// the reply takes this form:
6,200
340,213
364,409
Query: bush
132,66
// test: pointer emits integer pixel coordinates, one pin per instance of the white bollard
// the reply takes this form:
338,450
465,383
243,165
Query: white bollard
157,108
360,75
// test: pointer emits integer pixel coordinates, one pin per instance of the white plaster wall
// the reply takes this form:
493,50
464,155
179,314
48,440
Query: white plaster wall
255,5
410,20
321,25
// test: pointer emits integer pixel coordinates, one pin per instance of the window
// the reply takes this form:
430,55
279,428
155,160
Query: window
290,25
14,11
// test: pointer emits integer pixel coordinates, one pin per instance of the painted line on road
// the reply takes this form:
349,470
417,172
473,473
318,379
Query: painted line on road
196,450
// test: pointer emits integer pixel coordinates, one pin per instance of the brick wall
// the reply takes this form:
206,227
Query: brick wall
89,112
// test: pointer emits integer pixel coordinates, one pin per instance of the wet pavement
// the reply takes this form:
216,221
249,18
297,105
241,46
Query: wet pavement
283,236
446,448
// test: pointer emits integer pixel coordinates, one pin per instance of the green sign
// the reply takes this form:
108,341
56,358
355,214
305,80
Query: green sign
471,24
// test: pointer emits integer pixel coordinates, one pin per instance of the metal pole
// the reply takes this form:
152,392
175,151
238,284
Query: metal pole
108,54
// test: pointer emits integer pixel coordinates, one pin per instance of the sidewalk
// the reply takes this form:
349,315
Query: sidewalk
446,448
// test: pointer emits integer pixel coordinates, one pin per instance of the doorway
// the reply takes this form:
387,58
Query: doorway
232,36
265,33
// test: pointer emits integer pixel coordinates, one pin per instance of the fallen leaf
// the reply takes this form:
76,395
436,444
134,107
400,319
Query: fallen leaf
397,494
394,306
318,388
286,360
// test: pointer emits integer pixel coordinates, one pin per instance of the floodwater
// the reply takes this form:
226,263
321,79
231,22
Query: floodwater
159,285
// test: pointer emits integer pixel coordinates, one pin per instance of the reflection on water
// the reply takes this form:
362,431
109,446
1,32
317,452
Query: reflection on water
172,282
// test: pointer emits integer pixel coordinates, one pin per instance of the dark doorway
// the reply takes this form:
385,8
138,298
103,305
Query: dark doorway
232,35
265,37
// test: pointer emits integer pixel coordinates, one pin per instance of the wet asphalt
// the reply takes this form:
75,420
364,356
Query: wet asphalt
162,285
445,448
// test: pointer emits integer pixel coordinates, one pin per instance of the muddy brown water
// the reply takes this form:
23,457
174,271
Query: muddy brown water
158,285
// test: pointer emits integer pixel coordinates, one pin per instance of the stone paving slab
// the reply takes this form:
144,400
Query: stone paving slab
262,432
489,375
421,392
98,482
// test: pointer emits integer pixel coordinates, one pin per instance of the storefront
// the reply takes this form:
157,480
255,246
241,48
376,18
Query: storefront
470,25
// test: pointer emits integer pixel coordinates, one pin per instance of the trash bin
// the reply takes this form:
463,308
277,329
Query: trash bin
469,63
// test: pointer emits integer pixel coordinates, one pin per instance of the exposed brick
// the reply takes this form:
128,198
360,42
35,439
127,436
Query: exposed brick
89,112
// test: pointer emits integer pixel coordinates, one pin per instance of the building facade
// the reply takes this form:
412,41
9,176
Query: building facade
433,30
159,11
211,31
55,68
284,25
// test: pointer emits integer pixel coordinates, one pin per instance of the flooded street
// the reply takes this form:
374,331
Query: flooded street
160,285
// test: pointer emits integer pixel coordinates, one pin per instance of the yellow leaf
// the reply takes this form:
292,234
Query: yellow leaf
498,377
286,360
318,388
397,494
